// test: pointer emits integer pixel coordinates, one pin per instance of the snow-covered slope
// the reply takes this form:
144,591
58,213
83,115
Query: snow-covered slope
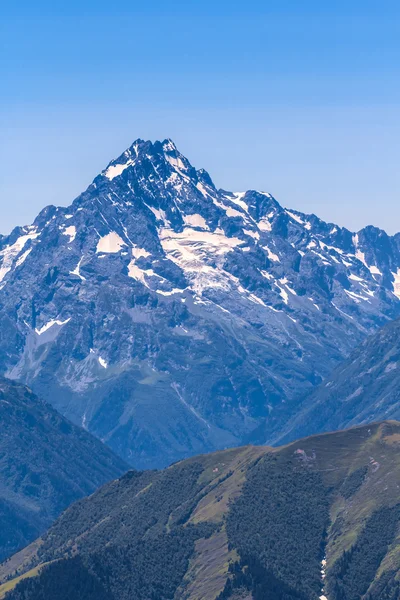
170,318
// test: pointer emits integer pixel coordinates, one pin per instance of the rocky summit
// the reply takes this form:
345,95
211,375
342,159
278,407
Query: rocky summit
169,317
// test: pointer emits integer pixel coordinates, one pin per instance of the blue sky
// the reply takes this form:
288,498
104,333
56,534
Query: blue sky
300,99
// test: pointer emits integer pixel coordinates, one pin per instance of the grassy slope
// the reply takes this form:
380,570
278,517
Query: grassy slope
202,489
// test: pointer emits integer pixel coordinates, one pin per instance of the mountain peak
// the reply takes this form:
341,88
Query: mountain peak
169,145
153,154
179,276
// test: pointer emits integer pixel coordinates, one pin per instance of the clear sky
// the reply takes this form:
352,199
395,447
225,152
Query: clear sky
299,98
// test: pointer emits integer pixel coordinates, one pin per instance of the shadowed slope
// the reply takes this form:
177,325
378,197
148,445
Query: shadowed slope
46,463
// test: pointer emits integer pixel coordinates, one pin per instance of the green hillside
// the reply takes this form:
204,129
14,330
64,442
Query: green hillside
319,517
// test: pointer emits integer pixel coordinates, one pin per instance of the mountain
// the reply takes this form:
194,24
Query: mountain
46,463
318,518
364,388
170,318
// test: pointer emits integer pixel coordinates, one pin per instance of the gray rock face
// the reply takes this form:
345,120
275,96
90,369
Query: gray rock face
46,463
362,389
170,318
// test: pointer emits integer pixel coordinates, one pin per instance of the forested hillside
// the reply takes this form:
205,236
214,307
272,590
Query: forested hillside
319,517
46,463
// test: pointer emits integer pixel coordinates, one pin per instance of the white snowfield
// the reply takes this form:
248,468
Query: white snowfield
70,232
195,221
264,224
110,243
198,253
139,252
140,274
9,254
271,255
115,170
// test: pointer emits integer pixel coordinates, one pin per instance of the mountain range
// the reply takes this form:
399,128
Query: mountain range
46,463
316,519
363,388
170,318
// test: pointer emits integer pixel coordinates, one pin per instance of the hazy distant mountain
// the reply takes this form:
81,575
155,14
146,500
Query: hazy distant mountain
46,463
316,519
364,388
170,318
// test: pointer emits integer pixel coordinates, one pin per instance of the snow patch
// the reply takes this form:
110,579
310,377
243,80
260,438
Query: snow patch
116,170
169,146
176,162
9,253
271,255
50,324
253,234
110,243
23,257
77,272
237,199
314,304
285,282
264,225
283,293
202,189
355,277
294,217
140,252
323,576
355,297
70,232
159,214
230,212
140,274
267,275
374,270
102,362
256,299
195,220
396,284
361,257
170,292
